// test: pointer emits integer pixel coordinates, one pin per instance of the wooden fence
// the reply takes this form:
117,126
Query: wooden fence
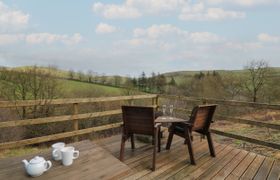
75,117
232,118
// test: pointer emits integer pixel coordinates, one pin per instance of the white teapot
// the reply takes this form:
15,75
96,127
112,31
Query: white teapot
37,166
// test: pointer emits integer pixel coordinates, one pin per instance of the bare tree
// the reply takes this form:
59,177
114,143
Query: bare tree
232,85
81,75
117,80
71,74
90,75
29,84
258,72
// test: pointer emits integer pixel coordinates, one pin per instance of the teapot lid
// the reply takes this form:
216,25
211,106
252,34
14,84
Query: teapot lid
36,160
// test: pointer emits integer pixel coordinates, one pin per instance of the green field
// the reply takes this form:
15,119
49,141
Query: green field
77,89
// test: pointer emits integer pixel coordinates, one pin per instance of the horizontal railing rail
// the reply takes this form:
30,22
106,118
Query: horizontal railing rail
74,118
224,102
24,103
57,136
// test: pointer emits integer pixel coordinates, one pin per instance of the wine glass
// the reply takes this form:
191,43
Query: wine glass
171,107
164,110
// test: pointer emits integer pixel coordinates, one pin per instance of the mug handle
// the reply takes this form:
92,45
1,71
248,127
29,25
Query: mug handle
76,154
48,165
54,153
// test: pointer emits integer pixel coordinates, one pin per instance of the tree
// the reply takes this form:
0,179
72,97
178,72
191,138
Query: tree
30,84
134,82
160,83
90,75
71,74
232,85
258,71
103,78
142,81
81,75
172,82
117,80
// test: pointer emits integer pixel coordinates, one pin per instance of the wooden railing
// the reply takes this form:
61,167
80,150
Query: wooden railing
232,118
74,118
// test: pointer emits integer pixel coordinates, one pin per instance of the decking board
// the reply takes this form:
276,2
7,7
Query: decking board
229,163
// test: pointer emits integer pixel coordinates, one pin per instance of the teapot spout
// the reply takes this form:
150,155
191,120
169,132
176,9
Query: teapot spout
25,162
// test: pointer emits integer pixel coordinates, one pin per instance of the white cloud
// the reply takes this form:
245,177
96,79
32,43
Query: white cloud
12,19
10,38
40,38
136,8
242,2
47,38
170,32
112,11
263,37
155,6
243,46
156,31
199,12
188,10
205,37
102,28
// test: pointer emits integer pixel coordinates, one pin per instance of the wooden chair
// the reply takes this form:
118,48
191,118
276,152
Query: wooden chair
200,120
139,120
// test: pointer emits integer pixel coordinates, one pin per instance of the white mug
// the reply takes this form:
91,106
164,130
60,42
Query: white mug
68,154
56,150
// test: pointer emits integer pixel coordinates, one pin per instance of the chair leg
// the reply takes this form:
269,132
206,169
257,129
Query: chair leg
169,140
189,143
155,139
210,144
132,141
159,139
122,147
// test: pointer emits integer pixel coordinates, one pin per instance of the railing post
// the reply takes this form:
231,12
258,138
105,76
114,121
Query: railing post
75,122
204,101
155,102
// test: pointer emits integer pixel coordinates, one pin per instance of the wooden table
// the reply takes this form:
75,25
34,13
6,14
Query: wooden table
169,119
94,163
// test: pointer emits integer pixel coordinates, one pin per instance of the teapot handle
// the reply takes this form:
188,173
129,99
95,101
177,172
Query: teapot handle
48,165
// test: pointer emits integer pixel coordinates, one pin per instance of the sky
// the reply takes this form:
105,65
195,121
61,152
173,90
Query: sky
127,37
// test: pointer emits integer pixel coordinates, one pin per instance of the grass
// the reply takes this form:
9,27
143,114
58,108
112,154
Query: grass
260,133
72,88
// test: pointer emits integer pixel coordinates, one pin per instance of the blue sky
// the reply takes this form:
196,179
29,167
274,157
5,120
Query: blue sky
131,36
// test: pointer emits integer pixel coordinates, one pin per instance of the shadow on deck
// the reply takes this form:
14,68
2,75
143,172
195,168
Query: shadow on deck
229,163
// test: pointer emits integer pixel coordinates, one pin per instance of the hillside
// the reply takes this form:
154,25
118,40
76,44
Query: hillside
184,76
76,88
71,88
77,75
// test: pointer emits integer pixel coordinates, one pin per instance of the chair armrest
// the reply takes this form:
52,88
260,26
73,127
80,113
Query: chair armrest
187,123
157,125
183,124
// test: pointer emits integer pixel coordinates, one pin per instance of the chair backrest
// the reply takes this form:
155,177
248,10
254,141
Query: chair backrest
138,119
201,116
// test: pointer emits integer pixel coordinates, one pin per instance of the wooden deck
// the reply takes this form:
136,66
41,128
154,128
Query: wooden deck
230,163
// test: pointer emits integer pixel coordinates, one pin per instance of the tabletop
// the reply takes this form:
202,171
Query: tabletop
94,162
169,119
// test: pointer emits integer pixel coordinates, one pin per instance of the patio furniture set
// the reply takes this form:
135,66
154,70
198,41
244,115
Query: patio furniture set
142,120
